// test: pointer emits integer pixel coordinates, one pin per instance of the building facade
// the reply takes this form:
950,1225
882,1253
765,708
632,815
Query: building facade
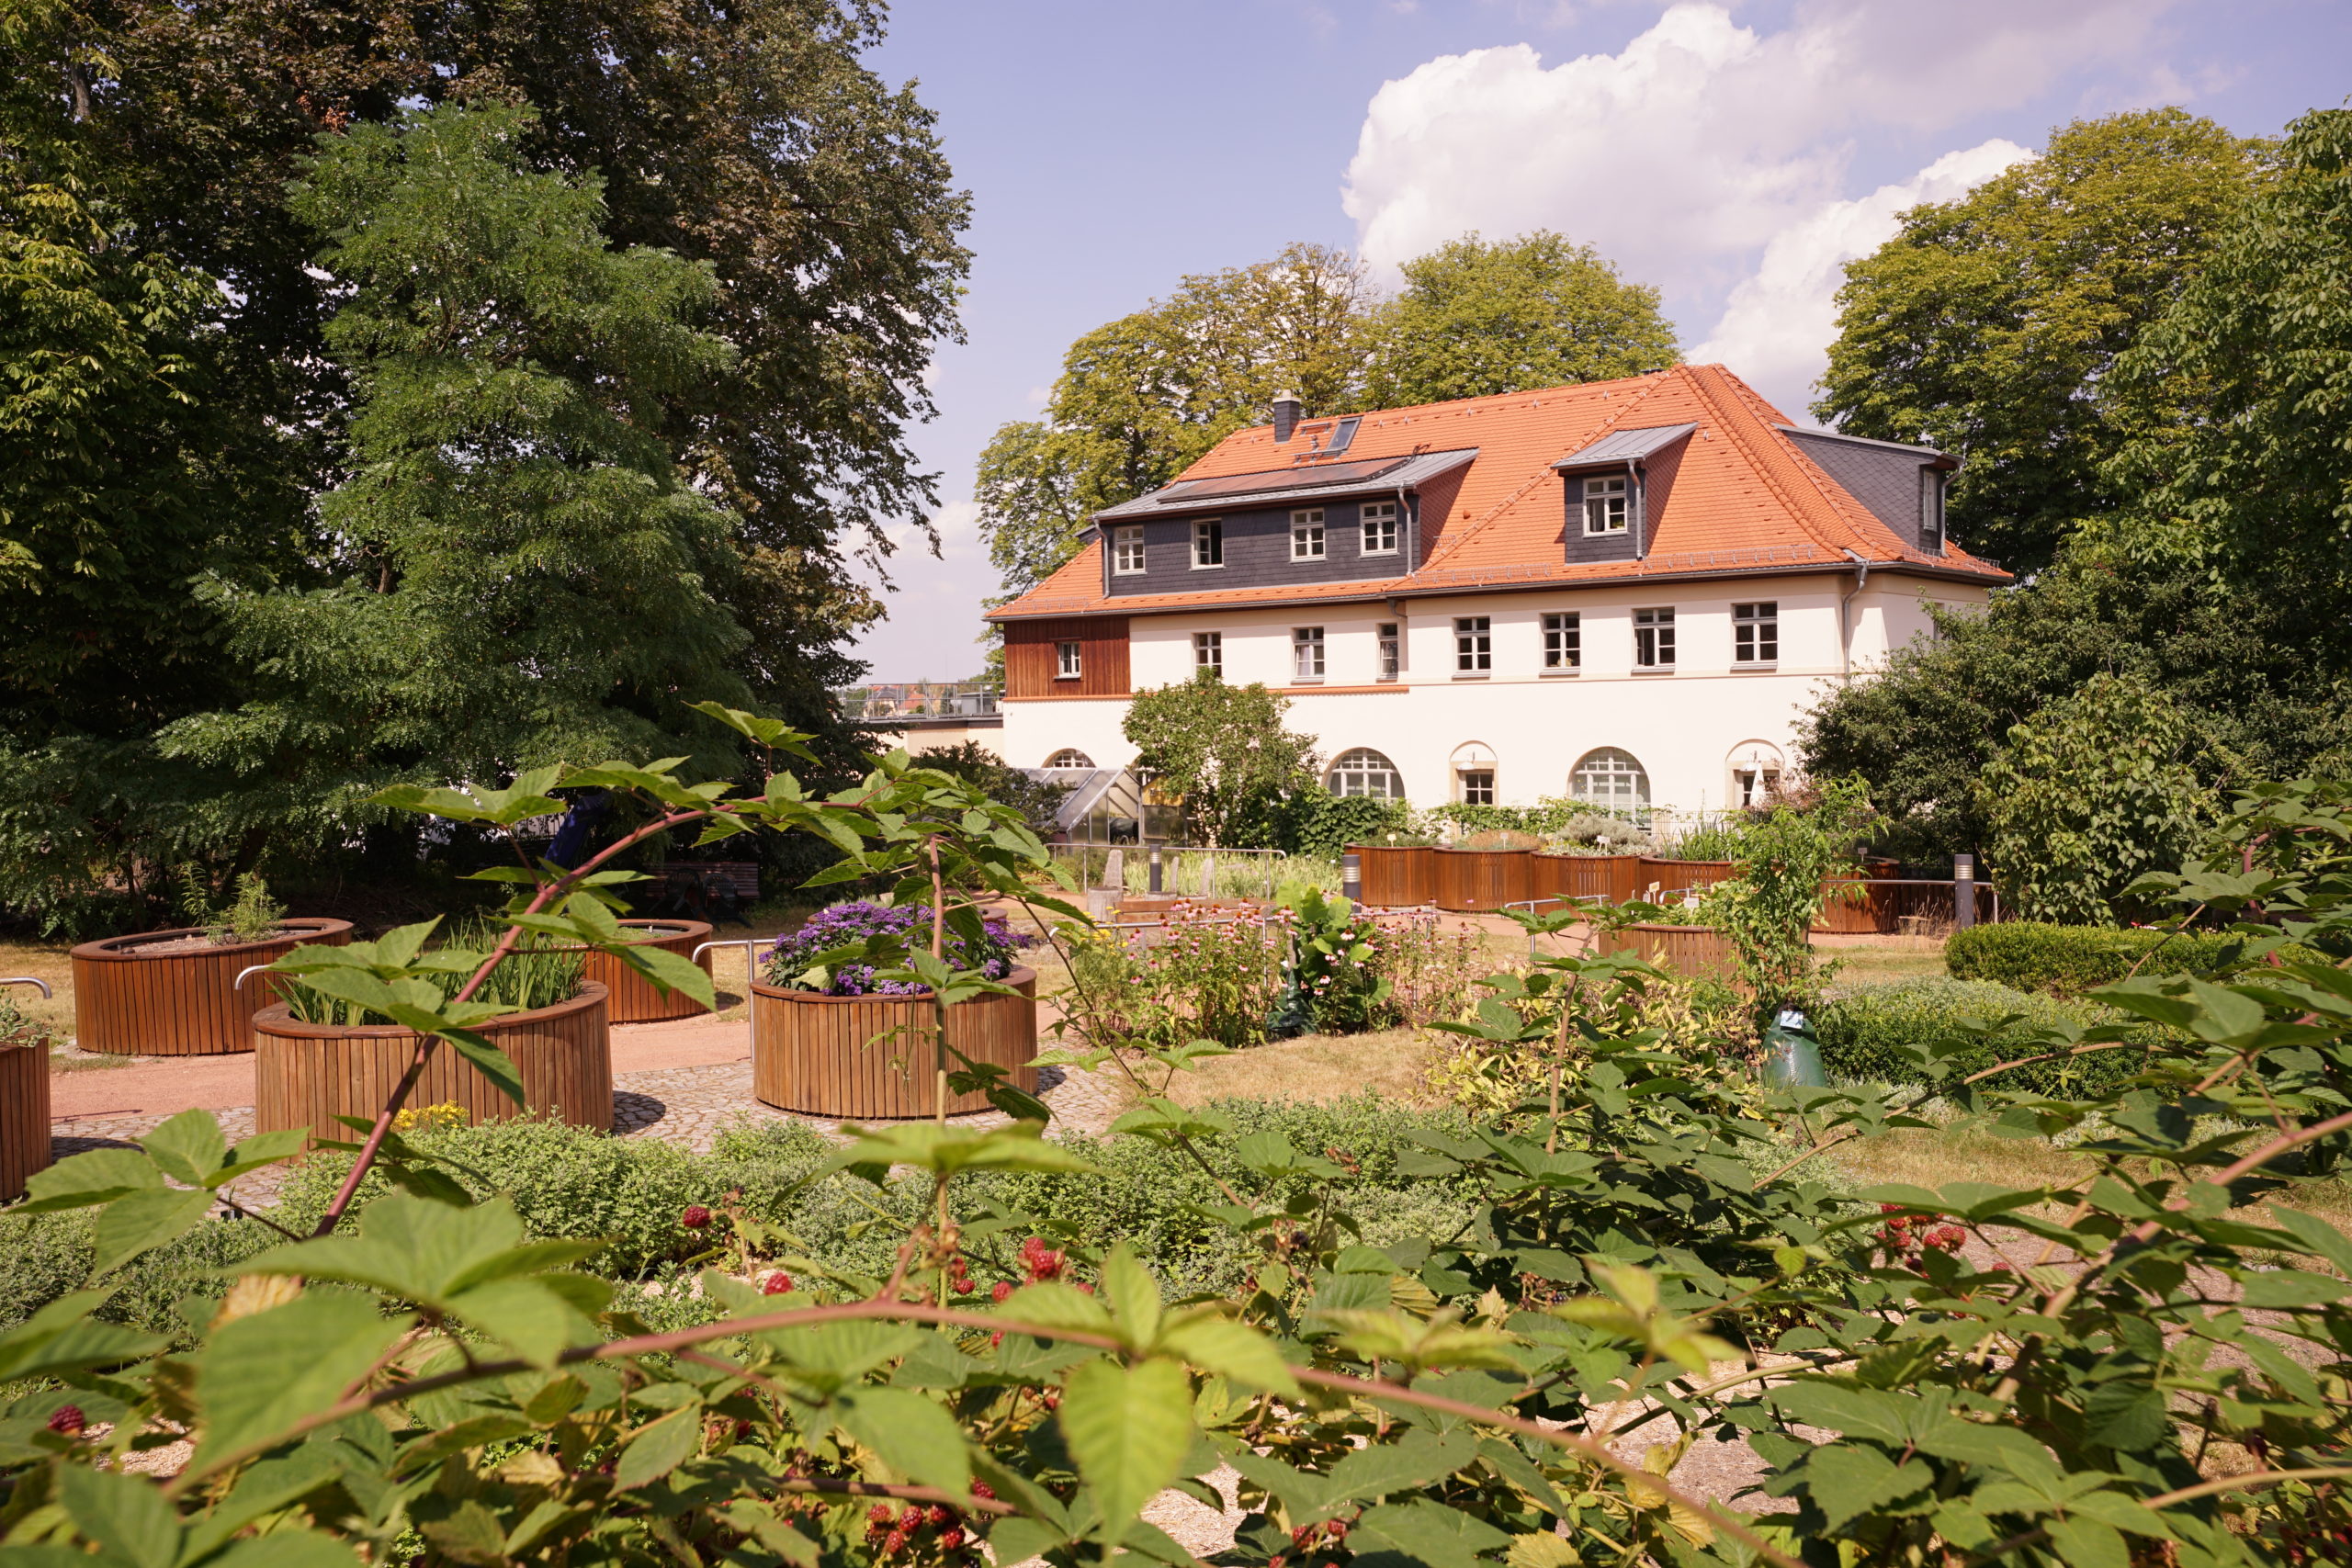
1625,592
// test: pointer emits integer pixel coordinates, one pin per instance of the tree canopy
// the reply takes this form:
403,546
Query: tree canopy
1221,749
1480,317
1990,326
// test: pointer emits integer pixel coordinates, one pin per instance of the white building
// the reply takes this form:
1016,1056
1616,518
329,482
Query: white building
1627,591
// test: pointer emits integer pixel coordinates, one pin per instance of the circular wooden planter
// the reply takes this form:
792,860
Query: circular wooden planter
130,999
305,1074
1681,875
633,998
1845,914
1603,877
1396,876
24,1116
1689,950
819,1054
1473,880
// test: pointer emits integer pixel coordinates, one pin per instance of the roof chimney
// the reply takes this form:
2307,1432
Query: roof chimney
1287,409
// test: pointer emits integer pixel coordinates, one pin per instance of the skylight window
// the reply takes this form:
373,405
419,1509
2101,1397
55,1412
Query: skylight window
1343,432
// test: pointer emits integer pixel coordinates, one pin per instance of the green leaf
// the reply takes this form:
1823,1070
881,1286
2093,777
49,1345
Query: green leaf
1228,1350
945,1150
1850,1479
1422,1532
259,1375
1128,1429
285,1549
188,1147
1419,1457
1842,1407
2290,1288
142,1221
126,1515
1055,1305
672,971
2088,1543
912,1434
659,1448
1133,1295
81,1181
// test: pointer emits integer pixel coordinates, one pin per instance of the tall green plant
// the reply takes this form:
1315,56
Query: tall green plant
1768,909
1221,749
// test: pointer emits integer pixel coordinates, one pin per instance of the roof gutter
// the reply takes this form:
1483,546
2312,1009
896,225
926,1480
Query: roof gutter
1845,619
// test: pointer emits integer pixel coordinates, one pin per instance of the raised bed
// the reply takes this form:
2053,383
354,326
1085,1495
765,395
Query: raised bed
24,1116
633,998
1396,876
1671,876
837,1056
1687,950
133,997
1845,914
305,1074
1473,880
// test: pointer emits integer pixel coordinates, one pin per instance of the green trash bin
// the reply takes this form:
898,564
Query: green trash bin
1791,1056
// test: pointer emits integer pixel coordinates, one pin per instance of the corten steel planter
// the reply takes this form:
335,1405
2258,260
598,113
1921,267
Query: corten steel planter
1469,881
305,1074
820,1054
1688,950
132,1001
1396,876
1681,875
24,1115
630,997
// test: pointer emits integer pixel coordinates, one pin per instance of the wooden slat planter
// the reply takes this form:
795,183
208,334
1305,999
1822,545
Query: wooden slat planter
1471,880
24,1116
129,999
1603,877
305,1074
1548,878
1681,875
1688,950
1844,913
1396,876
631,998
819,1054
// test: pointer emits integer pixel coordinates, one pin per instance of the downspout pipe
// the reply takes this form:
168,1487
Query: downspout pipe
1845,619
1409,523
1637,482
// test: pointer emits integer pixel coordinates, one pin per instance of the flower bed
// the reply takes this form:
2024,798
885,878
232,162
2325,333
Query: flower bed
868,1054
172,994
305,1074
845,925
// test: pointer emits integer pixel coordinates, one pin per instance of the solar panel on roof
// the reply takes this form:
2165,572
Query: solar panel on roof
1283,479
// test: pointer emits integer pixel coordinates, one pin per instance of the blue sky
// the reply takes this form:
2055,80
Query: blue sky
1732,154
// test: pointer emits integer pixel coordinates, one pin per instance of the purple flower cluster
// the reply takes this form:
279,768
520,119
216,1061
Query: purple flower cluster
845,925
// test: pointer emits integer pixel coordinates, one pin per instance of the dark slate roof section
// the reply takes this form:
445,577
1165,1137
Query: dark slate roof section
1624,446
1287,485
1929,455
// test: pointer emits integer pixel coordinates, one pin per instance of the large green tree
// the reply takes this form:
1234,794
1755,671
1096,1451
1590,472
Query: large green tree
1141,398
523,574
2253,480
1477,317
1990,326
1224,750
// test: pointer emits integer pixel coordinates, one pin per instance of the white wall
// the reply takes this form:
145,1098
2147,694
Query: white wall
1683,726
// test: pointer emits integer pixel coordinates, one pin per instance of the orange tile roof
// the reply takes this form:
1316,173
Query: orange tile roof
1744,498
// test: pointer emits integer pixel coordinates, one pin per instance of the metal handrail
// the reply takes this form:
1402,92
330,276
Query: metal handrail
751,973
29,980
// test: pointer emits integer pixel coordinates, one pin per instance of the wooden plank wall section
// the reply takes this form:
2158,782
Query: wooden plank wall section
24,1116
825,1055
1398,877
305,1074
1032,654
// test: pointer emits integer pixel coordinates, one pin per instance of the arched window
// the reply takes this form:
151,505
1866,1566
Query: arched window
1070,757
1755,769
1365,772
1611,780
1474,774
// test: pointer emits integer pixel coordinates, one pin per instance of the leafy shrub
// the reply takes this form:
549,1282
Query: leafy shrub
1326,824
2067,961
1204,975
20,1028
252,915
49,1256
1862,1034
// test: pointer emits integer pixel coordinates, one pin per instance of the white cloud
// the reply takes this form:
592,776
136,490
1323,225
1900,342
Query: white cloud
1712,159
1777,324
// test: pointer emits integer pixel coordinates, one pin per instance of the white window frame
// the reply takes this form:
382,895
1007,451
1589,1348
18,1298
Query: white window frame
1614,763
1069,660
1563,642
1607,505
1058,764
1307,537
1379,522
1756,635
1355,765
1931,511
1306,653
1389,651
1126,550
1654,639
1209,652
1479,794
1473,645
1208,540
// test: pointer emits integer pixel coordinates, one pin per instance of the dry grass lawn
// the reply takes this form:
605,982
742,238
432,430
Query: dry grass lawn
1884,965
1311,1067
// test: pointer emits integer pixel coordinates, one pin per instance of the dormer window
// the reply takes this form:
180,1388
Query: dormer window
1379,519
1604,506
1306,535
1126,551
1208,543
1931,511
